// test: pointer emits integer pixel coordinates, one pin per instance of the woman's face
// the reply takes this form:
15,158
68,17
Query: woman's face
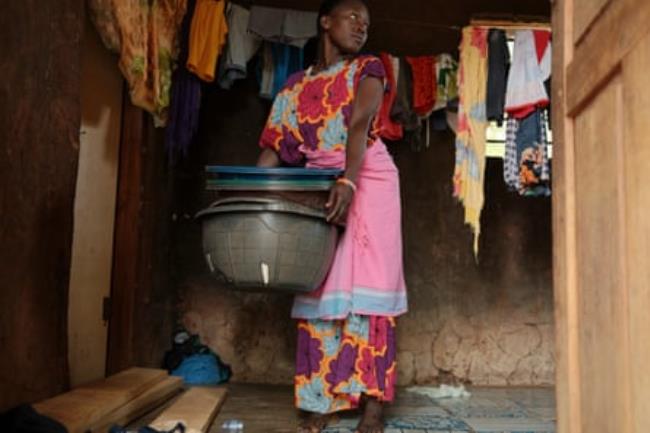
347,26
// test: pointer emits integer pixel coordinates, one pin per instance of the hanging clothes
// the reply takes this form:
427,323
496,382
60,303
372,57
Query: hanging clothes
241,46
510,161
446,91
287,60
285,26
391,130
531,67
102,14
145,34
532,156
424,96
424,84
207,38
469,169
498,65
183,114
267,70
446,86
279,61
395,65
185,101
526,162
402,109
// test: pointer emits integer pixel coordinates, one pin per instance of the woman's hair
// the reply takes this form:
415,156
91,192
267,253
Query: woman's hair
327,6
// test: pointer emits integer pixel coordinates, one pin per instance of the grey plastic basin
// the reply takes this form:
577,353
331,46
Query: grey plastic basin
268,244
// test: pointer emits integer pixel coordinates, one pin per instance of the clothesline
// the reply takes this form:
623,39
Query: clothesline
417,24
498,24
511,25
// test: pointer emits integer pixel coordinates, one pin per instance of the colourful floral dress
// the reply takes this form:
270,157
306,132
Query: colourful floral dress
312,112
346,329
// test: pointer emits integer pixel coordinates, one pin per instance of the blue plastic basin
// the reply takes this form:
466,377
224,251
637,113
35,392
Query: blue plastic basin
246,178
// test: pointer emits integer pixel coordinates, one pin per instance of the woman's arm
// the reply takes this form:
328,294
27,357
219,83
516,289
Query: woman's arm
366,105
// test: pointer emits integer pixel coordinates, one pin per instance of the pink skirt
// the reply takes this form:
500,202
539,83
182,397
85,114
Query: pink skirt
367,275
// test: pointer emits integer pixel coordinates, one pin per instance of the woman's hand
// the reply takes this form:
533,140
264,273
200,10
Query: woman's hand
339,202
268,158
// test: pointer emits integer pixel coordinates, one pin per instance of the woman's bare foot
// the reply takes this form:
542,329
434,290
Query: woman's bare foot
314,423
372,420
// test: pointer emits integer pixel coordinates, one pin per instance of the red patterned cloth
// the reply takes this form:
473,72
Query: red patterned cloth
424,84
391,130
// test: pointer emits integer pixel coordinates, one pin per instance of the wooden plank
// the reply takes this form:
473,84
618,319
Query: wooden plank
637,225
612,37
585,12
83,407
140,405
92,248
196,408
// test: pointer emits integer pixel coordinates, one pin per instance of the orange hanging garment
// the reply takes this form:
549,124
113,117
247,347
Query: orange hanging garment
207,38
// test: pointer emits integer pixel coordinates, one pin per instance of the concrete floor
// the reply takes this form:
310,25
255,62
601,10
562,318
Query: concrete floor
269,409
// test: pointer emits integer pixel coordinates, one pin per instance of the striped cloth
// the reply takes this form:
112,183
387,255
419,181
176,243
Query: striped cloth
469,170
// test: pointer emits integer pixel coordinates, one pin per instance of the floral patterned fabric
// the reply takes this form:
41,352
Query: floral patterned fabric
339,360
145,34
314,109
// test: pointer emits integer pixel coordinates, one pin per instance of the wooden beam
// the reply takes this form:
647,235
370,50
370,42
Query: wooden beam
511,25
565,291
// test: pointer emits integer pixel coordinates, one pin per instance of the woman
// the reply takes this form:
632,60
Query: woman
325,117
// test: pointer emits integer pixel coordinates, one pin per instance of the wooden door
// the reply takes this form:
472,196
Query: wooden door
601,214
39,151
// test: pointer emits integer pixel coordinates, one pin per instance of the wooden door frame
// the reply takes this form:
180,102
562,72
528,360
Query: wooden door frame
141,317
126,274
564,228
